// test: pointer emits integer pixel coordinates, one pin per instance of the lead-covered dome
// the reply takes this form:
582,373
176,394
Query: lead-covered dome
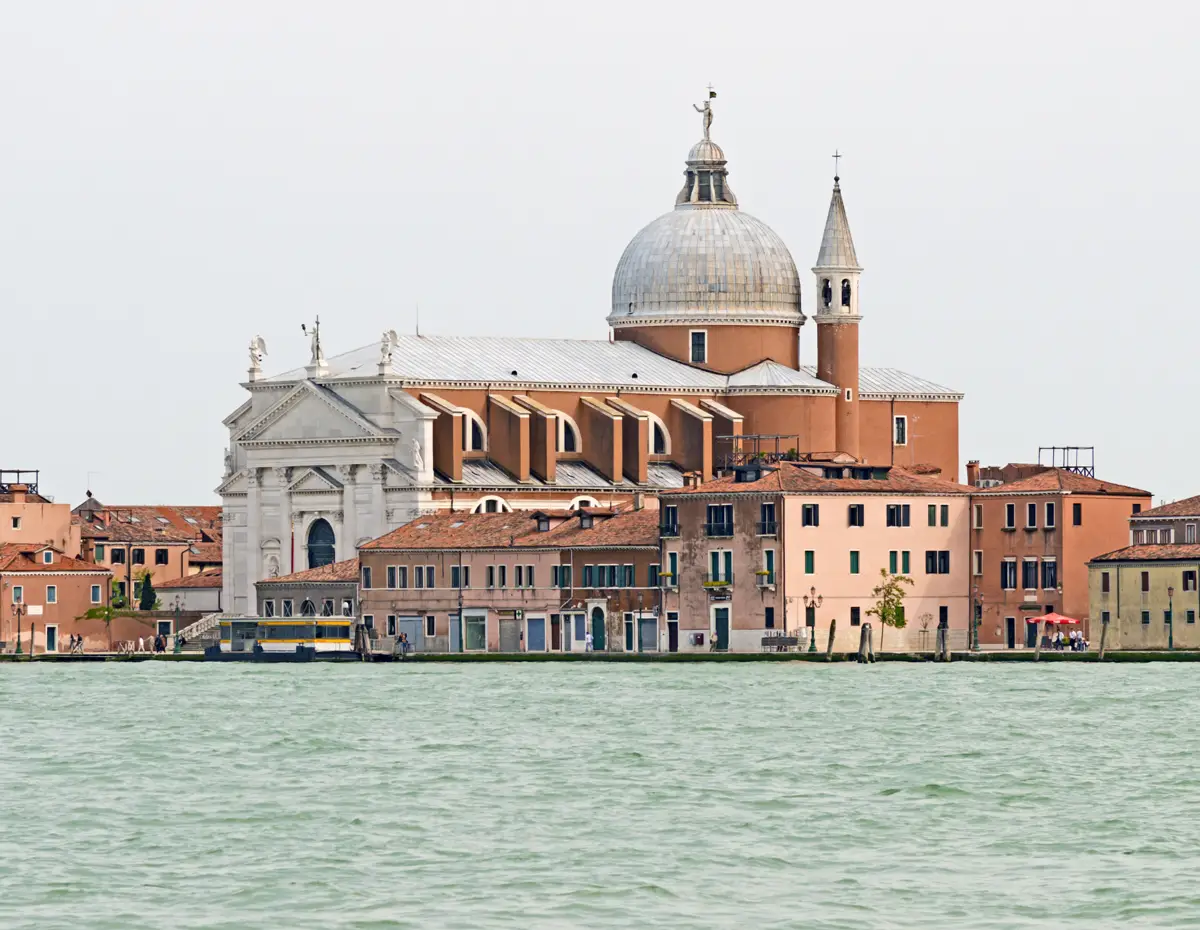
706,261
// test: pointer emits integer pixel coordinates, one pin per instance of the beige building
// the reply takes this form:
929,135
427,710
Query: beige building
1147,595
26,517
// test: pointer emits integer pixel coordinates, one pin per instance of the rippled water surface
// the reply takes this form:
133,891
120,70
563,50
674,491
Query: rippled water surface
536,796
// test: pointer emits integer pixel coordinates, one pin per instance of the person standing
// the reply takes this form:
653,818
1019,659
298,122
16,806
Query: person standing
588,642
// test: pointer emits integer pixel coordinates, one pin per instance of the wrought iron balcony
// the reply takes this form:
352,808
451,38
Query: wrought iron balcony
668,529
765,579
722,580
768,528
718,529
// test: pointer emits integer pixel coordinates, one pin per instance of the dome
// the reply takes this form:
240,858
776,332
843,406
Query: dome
706,150
698,264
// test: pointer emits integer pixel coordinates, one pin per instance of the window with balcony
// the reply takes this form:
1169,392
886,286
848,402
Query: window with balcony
668,522
720,566
767,575
719,521
766,519
672,580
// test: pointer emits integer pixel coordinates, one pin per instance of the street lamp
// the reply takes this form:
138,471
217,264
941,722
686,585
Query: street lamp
18,612
812,601
175,626
1170,616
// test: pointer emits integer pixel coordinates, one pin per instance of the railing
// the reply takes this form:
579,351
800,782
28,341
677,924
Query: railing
721,580
668,529
718,529
766,579
768,528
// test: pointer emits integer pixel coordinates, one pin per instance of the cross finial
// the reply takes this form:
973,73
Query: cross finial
836,156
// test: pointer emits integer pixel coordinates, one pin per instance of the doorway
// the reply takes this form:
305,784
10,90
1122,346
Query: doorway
535,636
598,629
721,626
648,634
1031,631
672,632
456,633
1011,631
629,642
555,633
52,637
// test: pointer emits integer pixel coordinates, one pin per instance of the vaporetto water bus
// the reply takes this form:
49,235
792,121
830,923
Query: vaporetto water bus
291,637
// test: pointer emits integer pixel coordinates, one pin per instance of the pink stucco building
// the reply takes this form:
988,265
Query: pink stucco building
742,553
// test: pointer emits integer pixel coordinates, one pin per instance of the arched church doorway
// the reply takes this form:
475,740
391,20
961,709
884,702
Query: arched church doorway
320,544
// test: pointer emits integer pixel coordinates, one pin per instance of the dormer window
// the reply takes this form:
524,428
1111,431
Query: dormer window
543,524
47,556
586,521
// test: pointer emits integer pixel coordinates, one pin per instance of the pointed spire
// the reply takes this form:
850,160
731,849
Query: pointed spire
837,245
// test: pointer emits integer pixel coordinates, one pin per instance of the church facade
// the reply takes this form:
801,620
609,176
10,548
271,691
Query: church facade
705,325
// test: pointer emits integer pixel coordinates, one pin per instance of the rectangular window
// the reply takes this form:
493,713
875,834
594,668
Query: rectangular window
1166,616
554,576
977,562
1077,514
519,574
930,562
768,566
47,556
894,562
366,576
1189,533
268,608
1051,515
529,576
900,431
810,515
719,520
673,567
1104,589
899,515
670,520
456,576
402,576
490,575
1029,574
368,622
699,346
1049,574
419,577
139,556
945,514
855,616
1146,617
944,562
18,594
1137,508
857,515
99,553
1031,516
1145,581
1105,616
391,576
589,576
979,516
391,625
137,590
95,594
1010,516
937,562
933,514
905,562
1191,616
118,557
769,618
1189,580
160,556
766,519
627,578
810,562
853,561
51,594
16,523
429,576
327,607
1008,575
652,576
430,625
287,607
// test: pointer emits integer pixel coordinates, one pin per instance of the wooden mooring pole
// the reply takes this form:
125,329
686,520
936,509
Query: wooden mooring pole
829,648
1103,637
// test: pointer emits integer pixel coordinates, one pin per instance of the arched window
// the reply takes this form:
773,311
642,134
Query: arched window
568,434
474,432
583,502
660,439
845,292
492,504
320,544
826,292
308,609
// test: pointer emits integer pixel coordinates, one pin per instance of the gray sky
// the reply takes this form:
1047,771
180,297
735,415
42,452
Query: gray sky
175,178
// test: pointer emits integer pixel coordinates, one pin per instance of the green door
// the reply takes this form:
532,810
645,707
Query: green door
597,629
628,635
722,621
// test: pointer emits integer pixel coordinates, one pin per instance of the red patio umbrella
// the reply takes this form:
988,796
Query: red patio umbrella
1051,618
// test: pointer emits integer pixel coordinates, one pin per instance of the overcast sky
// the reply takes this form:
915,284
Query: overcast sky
178,177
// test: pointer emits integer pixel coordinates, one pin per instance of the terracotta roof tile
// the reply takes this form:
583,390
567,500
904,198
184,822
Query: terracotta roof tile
794,478
206,553
455,530
1188,507
630,528
1059,479
333,572
206,579
1152,553
21,557
137,523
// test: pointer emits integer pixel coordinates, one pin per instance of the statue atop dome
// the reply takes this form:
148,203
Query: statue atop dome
706,112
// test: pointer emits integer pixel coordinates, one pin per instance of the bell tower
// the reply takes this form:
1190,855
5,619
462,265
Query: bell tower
837,272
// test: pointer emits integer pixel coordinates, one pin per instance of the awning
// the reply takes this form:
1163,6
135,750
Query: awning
1052,618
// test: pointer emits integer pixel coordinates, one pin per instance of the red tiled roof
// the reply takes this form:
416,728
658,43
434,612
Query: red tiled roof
21,557
454,530
794,478
138,523
29,499
1059,479
1188,507
206,553
1163,553
333,572
206,579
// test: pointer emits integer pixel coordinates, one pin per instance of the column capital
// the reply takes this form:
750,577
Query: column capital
283,476
346,473
253,480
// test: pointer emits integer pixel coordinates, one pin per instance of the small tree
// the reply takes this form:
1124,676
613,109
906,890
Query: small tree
147,597
116,598
889,602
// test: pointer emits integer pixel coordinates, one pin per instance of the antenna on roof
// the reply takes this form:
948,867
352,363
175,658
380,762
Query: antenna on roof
418,318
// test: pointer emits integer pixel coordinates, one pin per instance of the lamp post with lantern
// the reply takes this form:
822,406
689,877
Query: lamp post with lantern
18,612
812,601
1170,616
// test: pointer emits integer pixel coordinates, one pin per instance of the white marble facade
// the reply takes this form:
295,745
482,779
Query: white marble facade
356,454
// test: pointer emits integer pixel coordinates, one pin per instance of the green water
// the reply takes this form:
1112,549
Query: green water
752,796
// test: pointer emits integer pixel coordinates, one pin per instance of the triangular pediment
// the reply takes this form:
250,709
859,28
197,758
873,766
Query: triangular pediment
310,412
234,484
315,479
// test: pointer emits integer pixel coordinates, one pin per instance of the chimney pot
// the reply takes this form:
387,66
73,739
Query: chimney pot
973,473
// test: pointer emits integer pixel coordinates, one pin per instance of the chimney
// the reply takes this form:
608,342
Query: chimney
973,473
639,500
18,493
